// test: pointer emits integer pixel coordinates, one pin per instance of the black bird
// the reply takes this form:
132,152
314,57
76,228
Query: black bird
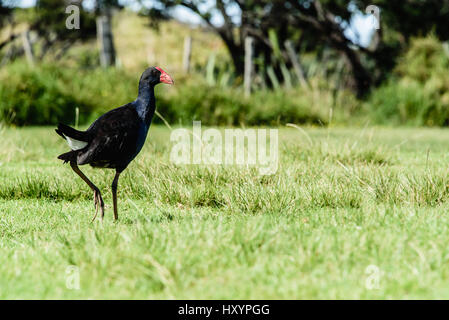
115,138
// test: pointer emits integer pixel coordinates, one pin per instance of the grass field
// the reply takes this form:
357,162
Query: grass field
346,208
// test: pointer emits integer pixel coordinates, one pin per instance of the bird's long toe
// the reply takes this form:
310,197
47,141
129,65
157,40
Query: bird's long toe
98,202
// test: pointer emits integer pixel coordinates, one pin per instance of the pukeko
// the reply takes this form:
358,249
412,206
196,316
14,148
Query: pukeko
115,138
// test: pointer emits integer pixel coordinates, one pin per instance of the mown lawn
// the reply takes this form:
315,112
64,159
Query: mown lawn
351,213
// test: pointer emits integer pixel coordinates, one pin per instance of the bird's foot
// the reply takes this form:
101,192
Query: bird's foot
98,201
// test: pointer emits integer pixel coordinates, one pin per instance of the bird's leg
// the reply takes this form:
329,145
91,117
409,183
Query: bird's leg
114,193
98,200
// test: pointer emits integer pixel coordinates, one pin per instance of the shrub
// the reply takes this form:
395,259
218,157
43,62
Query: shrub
46,95
228,106
49,94
418,92
28,96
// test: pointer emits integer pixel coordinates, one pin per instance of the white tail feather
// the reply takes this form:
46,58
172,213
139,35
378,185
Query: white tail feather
75,144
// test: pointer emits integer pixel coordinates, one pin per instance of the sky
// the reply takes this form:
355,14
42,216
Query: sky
359,31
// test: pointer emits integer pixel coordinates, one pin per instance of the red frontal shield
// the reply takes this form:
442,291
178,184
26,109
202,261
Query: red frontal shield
165,78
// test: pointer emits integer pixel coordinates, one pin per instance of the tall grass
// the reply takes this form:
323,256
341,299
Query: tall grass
49,94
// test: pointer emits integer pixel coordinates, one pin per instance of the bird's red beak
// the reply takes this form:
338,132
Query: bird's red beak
165,78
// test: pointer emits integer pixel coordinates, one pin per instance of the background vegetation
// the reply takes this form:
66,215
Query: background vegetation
410,89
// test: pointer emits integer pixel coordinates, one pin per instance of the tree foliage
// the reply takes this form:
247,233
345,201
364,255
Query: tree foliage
5,11
315,24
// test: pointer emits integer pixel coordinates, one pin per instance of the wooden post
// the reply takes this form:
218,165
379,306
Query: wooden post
28,48
105,38
248,65
446,48
296,65
210,68
187,54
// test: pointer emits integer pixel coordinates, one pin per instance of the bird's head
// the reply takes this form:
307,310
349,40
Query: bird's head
155,75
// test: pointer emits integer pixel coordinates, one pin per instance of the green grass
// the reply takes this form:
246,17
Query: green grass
342,200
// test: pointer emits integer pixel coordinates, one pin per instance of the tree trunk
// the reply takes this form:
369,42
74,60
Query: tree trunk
300,74
28,48
237,53
360,77
105,38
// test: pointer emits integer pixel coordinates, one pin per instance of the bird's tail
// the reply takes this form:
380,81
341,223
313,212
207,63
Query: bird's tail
75,139
66,131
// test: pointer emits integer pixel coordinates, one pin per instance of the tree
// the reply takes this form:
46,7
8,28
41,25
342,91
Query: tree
314,24
306,21
5,14
5,11
55,31
49,21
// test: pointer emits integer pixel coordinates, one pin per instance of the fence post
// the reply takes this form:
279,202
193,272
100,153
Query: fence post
210,68
187,54
105,38
28,48
296,65
248,65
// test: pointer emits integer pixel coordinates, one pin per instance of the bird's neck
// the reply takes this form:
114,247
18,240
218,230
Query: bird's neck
145,103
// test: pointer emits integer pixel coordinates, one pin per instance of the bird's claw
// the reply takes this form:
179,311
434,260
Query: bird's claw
98,201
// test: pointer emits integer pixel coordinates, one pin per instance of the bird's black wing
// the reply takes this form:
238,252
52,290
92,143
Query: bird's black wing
113,138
